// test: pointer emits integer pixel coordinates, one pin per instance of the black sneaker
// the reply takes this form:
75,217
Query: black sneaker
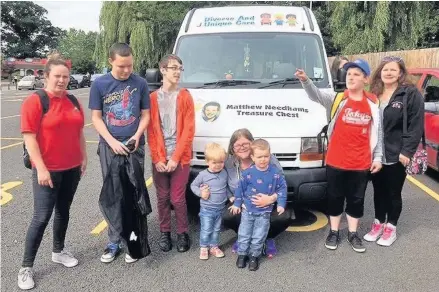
183,243
253,263
165,242
241,262
332,240
356,242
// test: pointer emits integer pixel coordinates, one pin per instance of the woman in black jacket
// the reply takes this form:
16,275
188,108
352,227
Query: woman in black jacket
390,83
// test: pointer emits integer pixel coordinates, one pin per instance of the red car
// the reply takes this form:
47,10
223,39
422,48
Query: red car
427,81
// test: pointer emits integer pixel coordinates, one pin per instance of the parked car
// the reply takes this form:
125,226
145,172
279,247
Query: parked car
93,77
30,82
83,80
427,81
73,83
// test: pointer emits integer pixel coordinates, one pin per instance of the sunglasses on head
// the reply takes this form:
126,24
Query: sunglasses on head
392,59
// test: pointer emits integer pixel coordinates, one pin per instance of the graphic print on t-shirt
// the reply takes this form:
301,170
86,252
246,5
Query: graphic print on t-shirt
120,107
356,117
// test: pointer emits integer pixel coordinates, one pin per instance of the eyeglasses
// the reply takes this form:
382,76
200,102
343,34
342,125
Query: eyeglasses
175,68
242,146
392,59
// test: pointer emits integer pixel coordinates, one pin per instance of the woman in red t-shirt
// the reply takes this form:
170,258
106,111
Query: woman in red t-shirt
56,146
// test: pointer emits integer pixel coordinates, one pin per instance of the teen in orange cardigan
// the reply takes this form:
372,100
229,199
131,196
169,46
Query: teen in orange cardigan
170,135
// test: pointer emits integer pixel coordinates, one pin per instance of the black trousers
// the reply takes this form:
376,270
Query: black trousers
349,186
46,199
278,223
387,186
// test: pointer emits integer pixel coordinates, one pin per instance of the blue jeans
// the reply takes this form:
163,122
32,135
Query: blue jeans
252,232
210,220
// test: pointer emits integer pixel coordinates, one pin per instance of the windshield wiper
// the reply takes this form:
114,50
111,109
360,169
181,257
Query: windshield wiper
287,81
223,83
283,82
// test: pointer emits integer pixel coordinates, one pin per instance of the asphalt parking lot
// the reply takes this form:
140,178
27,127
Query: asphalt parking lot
303,263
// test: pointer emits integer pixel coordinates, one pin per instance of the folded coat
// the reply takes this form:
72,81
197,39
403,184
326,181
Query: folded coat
125,204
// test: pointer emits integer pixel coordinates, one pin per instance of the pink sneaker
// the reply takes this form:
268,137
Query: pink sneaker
204,253
216,252
375,232
389,235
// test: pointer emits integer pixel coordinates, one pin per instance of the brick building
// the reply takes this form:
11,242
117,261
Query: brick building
24,67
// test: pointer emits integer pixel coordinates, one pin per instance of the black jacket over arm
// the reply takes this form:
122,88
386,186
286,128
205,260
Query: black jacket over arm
125,204
395,142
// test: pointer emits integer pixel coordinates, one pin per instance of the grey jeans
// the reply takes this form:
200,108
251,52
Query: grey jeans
46,199
106,154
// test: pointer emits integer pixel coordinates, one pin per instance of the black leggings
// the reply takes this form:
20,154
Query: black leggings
45,199
387,186
278,223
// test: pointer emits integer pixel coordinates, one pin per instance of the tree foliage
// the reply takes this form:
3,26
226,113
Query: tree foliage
79,46
151,27
25,31
360,27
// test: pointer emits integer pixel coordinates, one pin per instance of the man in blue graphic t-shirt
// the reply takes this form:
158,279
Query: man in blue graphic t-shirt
119,102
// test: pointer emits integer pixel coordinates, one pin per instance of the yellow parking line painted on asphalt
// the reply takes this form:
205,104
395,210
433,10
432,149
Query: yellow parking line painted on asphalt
103,224
86,125
149,181
4,194
8,117
98,229
16,139
321,222
12,100
10,146
423,187
5,198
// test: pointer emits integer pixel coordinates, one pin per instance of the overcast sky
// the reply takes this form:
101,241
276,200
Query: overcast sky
73,14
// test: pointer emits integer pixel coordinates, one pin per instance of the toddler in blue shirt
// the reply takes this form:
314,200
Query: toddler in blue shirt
260,178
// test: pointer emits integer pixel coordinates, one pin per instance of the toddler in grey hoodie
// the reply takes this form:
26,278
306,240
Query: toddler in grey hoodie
211,186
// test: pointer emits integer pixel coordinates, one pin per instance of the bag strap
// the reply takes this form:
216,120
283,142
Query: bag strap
336,103
405,118
321,137
74,100
44,100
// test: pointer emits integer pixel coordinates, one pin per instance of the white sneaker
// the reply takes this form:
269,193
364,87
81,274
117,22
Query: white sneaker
65,258
375,231
389,235
129,259
26,279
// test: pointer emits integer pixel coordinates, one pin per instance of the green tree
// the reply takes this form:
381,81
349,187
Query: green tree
360,27
25,30
79,46
431,36
347,27
7,67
